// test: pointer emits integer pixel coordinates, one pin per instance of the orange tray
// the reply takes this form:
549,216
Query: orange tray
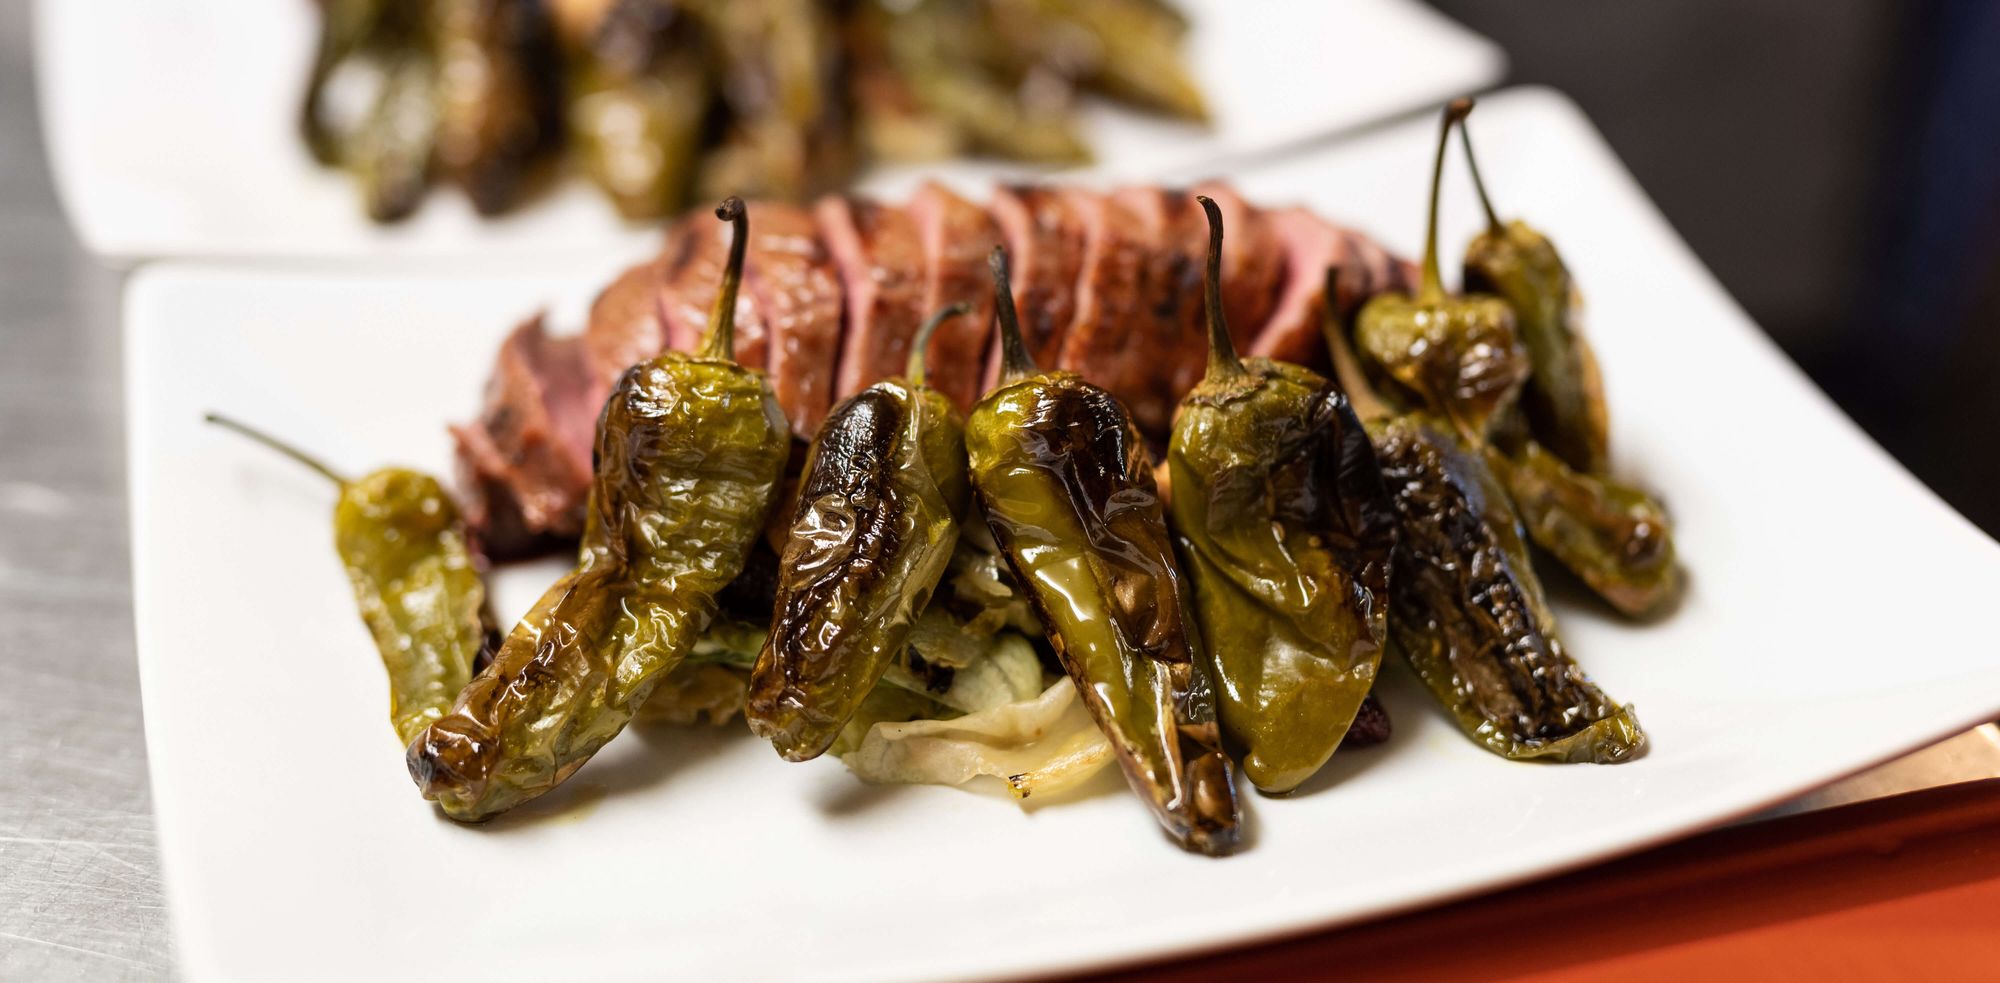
1905,887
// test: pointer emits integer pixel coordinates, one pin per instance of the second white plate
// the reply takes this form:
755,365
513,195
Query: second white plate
171,122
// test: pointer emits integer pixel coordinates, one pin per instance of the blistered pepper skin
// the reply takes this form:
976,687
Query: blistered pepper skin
1614,537
408,555
872,535
405,549
1461,355
1286,532
1068,490
1469,615
690,454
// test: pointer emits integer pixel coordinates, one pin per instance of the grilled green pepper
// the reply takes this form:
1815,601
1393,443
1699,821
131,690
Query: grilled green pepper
1469,615
499,104
1461,355
690,452
1069,494
1612,536
408,556
874,530
1287,533
639,96
1564,395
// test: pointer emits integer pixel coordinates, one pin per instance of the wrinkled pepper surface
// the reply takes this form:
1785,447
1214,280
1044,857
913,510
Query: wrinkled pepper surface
1287,532
1564,395
406,552
1469,615
874,530
1614,537
1068,490
1461,355
690,452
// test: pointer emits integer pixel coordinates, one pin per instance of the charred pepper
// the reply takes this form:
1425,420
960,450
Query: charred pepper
1469,615
874,530
408,555
1564,395
1462,355
1287,533
1612,536
690,452
1068,490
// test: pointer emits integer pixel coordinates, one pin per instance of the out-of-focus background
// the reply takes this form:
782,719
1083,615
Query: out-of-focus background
1838,166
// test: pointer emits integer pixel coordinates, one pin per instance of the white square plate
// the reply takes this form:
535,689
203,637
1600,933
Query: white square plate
1839,614
171,122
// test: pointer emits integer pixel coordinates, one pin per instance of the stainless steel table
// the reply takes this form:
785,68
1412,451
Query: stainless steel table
80,891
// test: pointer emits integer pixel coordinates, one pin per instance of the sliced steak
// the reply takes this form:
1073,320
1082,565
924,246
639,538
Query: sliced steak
791,275
525,462
1176,328
1133,296
1311,245
1253,259
1044,240
627,323
957,236
691,276
880,257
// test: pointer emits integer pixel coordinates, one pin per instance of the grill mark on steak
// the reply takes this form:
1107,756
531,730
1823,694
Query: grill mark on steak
1044,242
790,273
957,236
880,261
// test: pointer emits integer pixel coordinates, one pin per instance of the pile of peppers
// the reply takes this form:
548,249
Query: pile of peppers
660,101
1240,610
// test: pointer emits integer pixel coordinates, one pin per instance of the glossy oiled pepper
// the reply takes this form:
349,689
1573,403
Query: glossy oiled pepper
499,99
1564,395
1461,355
1612,536
406,552
873,533
1469,615
1068,491
1287,533
690,452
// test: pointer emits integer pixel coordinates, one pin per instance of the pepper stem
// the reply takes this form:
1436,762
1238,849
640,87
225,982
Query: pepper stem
1015,362
275,444
720,342
1222,360
915,371
1472,162
1433,285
